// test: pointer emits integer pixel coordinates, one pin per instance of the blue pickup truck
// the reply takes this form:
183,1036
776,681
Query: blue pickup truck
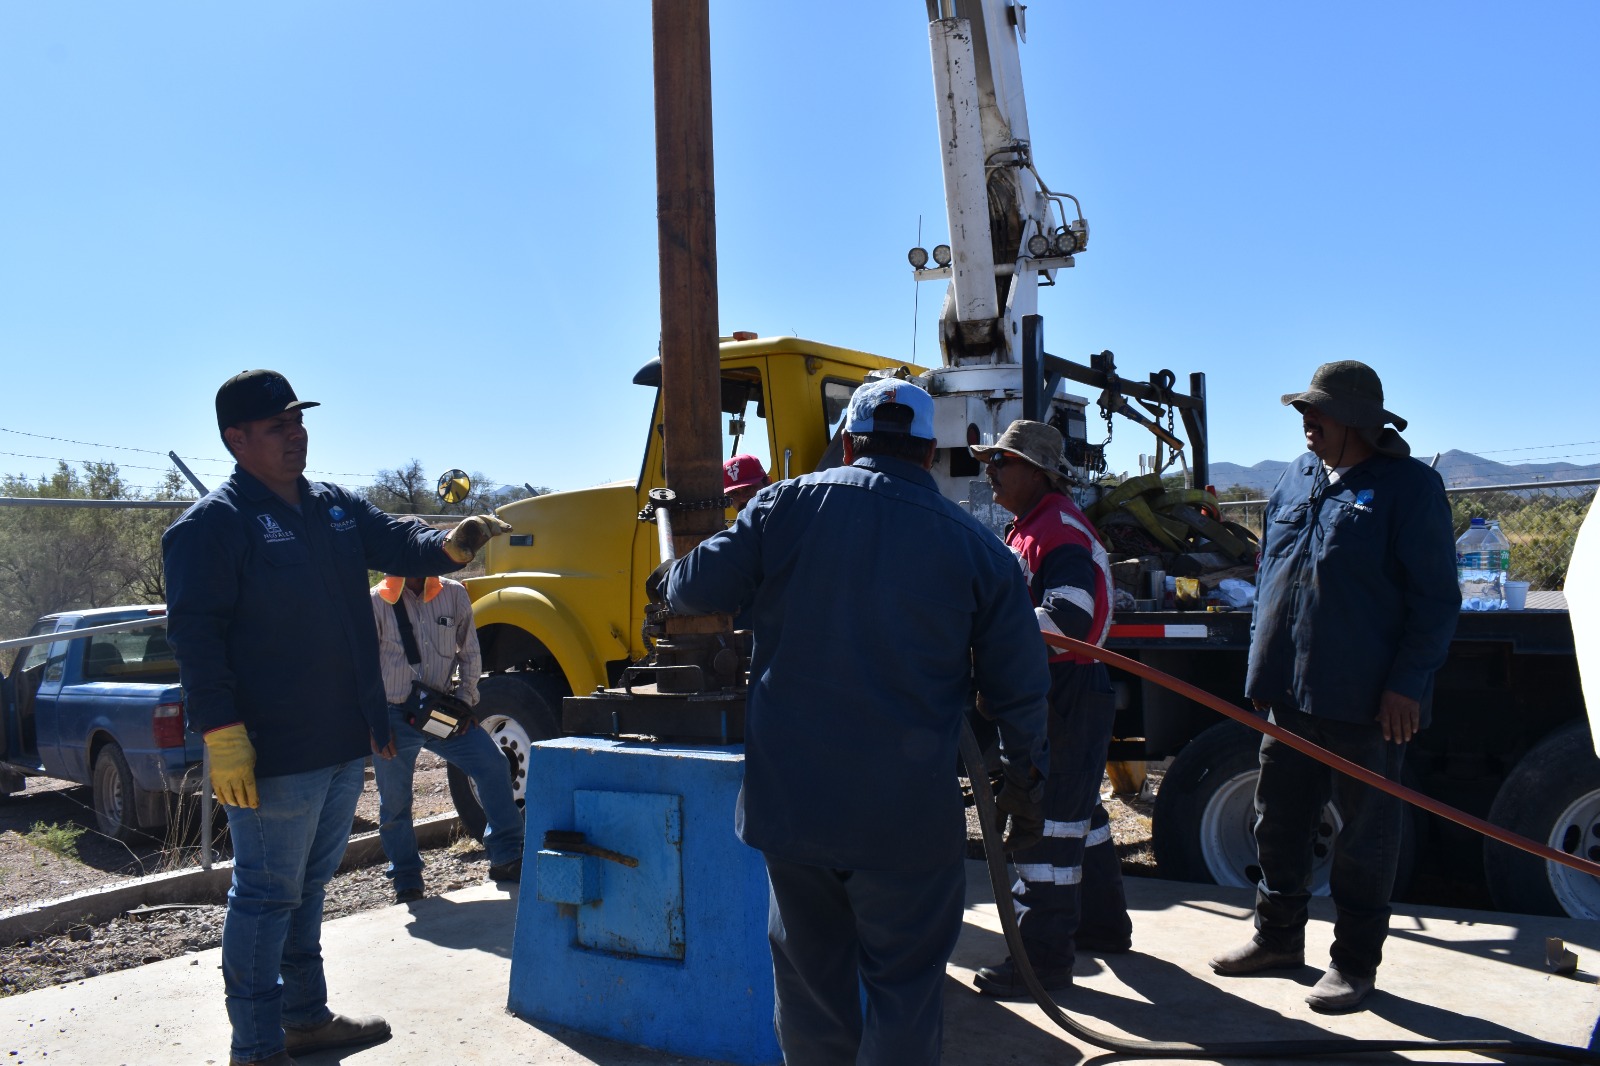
104,710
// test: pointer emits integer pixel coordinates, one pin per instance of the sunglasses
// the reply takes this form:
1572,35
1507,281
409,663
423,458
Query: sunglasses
998,460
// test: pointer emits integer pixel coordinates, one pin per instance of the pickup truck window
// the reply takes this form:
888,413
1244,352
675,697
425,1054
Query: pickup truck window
139,655
35,654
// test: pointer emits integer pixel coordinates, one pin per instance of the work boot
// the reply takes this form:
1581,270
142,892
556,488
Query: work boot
1255,957
280,1059
507,871
338,1031
1337,992
1005,981
409,895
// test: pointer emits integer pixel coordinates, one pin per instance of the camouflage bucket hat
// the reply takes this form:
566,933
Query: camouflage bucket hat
1032,442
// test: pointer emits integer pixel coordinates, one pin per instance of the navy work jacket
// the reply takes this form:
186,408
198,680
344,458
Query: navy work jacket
1357,589
270,618
875,603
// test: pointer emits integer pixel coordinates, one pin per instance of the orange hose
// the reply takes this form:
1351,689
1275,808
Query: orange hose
1300,744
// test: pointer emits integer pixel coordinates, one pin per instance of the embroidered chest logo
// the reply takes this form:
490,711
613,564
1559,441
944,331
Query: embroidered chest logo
341,520
274,532
1363,501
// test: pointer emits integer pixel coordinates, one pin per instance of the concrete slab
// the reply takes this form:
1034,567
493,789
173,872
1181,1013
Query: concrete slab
439,971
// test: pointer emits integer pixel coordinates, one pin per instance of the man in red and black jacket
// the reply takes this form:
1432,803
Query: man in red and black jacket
1069,889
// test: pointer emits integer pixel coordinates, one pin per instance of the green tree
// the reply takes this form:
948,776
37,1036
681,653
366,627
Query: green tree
411,490
61,558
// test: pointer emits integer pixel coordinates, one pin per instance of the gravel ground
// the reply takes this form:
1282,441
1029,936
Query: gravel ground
31,874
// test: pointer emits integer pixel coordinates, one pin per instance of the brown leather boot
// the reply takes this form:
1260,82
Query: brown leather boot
1255,957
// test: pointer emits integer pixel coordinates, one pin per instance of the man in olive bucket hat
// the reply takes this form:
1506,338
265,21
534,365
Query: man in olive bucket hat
1068,894
1356,602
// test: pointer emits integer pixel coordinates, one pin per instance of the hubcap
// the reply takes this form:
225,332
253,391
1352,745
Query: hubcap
1577,832
1228,839
514,743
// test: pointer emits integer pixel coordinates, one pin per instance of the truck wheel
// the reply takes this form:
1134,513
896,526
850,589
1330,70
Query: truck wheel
1552,795
114,811
1204,824
515,709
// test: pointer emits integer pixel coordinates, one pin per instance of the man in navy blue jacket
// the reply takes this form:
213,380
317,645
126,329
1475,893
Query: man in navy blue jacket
876,603
269,616
1356,604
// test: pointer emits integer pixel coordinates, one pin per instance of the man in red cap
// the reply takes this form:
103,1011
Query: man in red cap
742,477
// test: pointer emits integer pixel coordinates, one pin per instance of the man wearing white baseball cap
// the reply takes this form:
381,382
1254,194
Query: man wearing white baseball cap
866,649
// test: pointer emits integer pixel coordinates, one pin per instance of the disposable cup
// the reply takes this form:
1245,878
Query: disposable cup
1517,595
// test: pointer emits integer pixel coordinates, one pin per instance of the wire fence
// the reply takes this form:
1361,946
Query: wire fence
1539,518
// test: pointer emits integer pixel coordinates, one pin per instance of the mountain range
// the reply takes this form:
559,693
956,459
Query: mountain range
1459,470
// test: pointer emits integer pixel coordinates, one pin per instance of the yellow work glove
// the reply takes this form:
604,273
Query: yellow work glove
233,765
471,534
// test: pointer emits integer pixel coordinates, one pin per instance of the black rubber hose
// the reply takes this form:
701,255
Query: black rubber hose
978,773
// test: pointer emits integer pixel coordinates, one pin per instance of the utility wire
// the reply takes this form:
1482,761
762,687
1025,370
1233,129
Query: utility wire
146,451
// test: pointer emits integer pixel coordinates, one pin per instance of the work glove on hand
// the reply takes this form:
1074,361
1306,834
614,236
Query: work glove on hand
655,586
471,534
233,765
1022,797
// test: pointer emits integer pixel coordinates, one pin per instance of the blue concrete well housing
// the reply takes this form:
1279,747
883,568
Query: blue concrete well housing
653,928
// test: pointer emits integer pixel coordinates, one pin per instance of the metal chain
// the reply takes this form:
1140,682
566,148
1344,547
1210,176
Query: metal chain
715,503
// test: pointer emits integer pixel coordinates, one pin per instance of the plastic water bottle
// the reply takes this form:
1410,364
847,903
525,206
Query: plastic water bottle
1478,572
1499,551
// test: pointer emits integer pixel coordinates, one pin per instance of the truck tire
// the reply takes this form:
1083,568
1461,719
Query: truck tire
515,709
1552,795
115,812
1204,823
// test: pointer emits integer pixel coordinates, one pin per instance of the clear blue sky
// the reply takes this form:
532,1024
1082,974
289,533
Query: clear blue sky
438,219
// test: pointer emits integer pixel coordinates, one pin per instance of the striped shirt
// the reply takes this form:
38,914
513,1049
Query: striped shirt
445,637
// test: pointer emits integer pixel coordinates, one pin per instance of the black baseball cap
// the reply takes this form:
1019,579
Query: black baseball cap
254,394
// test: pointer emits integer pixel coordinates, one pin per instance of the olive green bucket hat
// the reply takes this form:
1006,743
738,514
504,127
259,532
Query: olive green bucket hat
1347,391
1035,443
1350,392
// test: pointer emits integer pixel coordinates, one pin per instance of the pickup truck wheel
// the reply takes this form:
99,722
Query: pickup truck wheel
1552,795
1204,824
515,709
114,811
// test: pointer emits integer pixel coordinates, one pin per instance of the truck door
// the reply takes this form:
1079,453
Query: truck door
40,676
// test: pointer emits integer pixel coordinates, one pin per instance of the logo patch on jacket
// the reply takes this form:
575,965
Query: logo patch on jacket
274,532
1364,501
341,520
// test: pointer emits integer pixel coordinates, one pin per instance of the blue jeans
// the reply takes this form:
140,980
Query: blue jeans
482,761
837,933
1290,795
284,853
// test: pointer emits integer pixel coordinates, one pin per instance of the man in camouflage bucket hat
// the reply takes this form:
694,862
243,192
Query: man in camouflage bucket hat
1068,893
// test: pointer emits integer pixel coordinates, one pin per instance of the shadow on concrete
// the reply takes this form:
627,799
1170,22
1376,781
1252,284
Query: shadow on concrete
1173,1004
604,1052
465,925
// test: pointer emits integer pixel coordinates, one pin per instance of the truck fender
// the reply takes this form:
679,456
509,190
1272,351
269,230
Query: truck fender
550,623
